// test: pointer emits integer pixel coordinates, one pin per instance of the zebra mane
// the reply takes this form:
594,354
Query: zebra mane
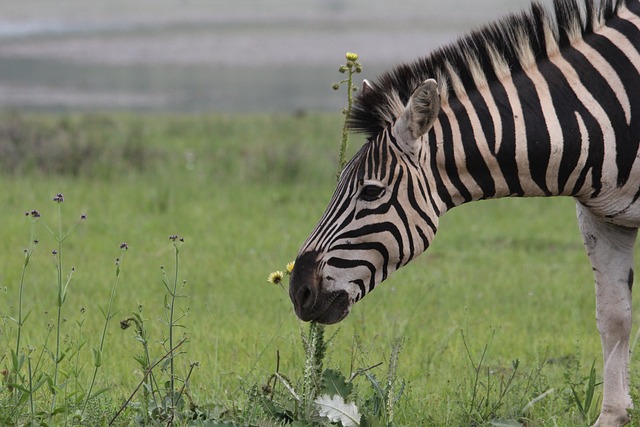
487,54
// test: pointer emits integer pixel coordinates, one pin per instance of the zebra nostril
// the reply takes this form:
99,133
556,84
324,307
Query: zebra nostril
305,297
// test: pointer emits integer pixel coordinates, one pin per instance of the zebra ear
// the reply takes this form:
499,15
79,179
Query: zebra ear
421,110
366,86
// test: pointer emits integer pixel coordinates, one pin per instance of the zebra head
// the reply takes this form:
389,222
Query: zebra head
380,217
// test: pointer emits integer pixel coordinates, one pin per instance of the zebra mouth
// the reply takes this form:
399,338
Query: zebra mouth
335,308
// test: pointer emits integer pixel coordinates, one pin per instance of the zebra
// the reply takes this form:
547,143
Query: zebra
541,103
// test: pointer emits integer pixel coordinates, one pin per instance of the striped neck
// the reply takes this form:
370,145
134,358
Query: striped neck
547,130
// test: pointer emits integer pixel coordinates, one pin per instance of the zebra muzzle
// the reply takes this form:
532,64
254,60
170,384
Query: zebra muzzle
311,301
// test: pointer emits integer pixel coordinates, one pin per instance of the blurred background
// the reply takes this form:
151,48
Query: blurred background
213,55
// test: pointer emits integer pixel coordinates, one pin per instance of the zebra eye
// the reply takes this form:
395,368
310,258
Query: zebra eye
371,192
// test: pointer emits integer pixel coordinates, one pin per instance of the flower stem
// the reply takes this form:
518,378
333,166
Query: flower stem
17,362
351,67
56,364
107,318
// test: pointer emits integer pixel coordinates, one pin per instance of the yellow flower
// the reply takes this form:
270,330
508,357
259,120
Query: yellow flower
276,277
352,56
290,267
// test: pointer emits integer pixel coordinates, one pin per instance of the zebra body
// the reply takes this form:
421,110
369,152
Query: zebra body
531,106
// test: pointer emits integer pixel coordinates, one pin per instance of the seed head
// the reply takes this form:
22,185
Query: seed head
124,324
59,198
124,246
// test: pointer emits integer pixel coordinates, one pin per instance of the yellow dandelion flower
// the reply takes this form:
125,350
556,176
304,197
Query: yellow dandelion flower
276,277
290,267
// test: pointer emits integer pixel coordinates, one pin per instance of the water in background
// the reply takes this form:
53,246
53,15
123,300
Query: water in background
213,55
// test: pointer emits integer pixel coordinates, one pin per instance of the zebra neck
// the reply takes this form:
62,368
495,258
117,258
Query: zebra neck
553,129
483,151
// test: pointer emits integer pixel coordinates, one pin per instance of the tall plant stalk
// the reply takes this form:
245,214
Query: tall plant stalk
60,301
62,286
173,290
18,360
97,353
351,67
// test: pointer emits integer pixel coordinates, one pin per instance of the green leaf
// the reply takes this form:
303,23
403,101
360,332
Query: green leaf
17,361
335,383
19,387
375,384
97,357
275,410
59,410
26,315
141,360
337,410
99,392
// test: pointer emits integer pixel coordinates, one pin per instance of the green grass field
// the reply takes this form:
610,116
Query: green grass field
507,276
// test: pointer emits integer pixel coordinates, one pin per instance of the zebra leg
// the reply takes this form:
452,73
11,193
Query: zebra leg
610,250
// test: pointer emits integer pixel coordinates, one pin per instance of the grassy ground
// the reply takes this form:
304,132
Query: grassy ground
505,290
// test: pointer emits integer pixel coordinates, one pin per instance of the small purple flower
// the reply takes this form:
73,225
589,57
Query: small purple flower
58,198
124,246
54,252
83,217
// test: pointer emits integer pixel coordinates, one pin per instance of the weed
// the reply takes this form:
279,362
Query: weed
54,372
581,393
584,399
351,67
163,401
326,395
17,357
108,315
491,392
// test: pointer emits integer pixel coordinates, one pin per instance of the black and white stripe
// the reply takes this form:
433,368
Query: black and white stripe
529,106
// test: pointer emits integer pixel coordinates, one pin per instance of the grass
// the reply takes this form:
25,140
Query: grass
504,292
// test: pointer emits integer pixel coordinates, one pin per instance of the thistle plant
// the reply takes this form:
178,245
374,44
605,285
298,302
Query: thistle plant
350,67
315,349
173,292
